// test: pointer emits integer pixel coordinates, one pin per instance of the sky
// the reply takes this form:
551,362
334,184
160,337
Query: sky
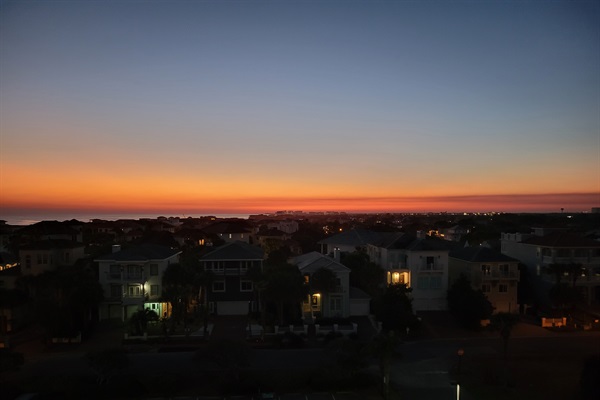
257,106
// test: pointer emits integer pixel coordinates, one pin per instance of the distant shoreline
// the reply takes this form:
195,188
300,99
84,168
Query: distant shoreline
28,219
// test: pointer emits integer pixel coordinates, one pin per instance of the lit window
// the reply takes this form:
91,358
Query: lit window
486,269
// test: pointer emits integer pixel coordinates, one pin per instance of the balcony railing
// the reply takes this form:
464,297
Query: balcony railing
500,275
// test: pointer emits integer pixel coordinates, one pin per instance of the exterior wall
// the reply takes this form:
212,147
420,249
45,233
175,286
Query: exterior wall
36,261
238,290
235,237
428,279
537,258
500,287
288,226
132,286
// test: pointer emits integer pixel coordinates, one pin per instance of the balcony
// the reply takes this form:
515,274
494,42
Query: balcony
495,275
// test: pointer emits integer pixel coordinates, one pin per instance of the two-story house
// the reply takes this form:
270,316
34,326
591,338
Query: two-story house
232,291
132,279
328,305
494,273
542,248
229,231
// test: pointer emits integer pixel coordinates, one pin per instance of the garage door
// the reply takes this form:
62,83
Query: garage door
232,307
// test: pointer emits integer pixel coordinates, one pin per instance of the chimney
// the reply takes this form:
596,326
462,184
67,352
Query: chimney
336,254
116,248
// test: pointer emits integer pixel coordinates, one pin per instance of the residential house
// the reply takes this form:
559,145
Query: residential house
230,231
132,279
350,241
455,233
543,247
232,291
419,262
492,272
327,305
45,255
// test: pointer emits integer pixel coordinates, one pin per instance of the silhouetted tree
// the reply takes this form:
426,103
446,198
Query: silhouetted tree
504,323
394,309
468,306
364,274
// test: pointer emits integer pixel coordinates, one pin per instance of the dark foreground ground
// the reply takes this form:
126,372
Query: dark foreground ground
540,364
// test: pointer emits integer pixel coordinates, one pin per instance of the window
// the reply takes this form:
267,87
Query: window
423,282
115,272
504,269
435,282
28,261
116,291
134,271
486,288
335,304
134,290
503,288
307,279
153,269
218,286
486,269
246,286
430,261
154,290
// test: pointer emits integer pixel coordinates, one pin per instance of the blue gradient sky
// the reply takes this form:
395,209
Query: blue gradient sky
256,106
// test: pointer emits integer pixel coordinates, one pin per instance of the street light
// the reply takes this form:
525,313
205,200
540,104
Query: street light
460,353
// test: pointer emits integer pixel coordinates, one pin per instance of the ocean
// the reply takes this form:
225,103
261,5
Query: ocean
28,219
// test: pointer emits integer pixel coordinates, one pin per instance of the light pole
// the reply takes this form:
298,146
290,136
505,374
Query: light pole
460,354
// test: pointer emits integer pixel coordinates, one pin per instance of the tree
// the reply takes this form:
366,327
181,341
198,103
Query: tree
383,346
64,298
468,306
139,320
284,285
504,323
364,274
394,309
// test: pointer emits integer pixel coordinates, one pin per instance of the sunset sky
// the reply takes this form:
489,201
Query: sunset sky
255,106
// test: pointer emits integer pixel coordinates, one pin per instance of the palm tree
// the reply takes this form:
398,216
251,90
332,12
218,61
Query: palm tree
383,346
504,323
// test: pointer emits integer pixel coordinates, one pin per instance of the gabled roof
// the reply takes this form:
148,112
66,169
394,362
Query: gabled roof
480,254
51,244
237,250
356,237
431,244
358,294
562,239
144,252
311,262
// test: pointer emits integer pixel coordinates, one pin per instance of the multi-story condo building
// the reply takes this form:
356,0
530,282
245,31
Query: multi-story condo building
132,278
494,273
232,291
543,248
